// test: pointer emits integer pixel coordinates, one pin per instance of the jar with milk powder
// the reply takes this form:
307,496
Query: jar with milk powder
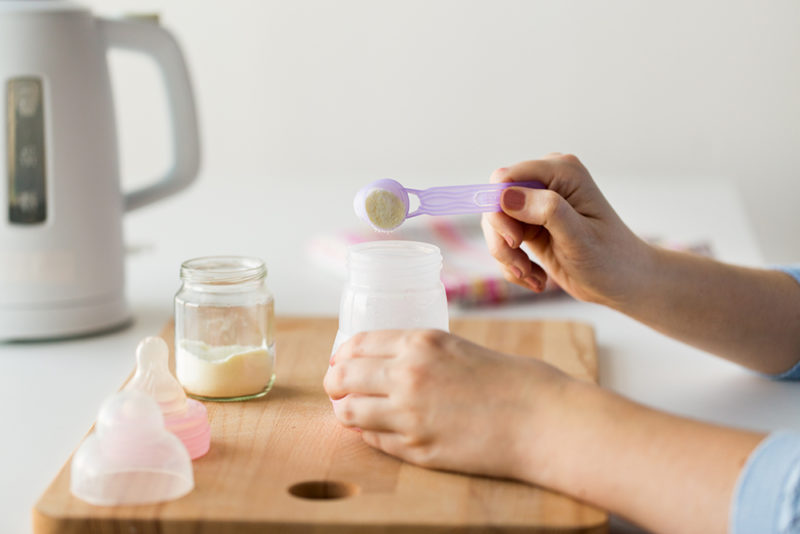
392,285
224,329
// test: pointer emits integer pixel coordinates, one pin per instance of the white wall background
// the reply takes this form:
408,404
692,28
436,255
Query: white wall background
353,90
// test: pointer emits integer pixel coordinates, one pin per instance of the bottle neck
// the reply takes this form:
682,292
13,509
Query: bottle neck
394,265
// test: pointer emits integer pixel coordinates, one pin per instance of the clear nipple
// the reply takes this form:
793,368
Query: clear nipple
154,378
186,418
130,458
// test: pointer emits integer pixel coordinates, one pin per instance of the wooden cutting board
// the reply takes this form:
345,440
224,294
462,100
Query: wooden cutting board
290,440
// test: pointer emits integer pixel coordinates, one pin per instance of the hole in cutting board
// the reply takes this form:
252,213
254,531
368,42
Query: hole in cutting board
323,489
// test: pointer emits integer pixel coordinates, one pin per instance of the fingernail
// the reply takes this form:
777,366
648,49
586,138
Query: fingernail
516,271
509,240
513,199
533,283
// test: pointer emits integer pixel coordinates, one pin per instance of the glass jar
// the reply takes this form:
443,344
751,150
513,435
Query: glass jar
225,329
392,285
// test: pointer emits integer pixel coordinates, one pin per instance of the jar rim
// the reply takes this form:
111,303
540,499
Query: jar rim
223,269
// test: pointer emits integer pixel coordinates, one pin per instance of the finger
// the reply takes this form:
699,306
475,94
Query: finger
560,172
365,412
389,442
499,175
367,376
544,170
541,170
516,263
541,207
511,230
536,282
373,344
495,238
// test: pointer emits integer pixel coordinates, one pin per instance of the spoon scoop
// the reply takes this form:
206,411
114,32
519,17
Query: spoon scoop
384,204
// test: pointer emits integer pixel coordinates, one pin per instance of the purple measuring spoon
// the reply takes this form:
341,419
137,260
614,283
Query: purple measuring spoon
384,204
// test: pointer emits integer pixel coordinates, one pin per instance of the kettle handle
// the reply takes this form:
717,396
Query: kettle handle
151,39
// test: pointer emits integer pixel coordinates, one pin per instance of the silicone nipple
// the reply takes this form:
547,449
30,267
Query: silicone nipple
383,204
130,458
186,418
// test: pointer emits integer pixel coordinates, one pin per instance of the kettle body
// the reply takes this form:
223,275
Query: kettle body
62,269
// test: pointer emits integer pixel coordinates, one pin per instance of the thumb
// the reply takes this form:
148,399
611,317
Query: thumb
542,207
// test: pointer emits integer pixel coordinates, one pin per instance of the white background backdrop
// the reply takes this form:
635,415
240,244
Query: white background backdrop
339,93
354,90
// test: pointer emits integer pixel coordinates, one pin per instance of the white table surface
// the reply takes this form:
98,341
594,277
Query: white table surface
50,392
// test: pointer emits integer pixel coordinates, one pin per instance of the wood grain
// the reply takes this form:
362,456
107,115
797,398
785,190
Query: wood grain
261,448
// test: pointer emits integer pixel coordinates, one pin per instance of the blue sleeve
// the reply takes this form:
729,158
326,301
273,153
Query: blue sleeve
766,499
794,372
791,270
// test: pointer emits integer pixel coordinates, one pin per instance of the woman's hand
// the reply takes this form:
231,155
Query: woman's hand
436,400
439,401
570,228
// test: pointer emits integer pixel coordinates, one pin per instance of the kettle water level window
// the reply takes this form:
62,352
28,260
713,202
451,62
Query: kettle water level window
27,200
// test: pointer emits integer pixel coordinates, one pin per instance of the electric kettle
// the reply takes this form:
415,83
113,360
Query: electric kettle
61,206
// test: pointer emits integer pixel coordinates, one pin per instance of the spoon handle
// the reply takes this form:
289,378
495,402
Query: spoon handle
461,199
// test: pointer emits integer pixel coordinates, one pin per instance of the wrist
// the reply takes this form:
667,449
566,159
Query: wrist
546,444
636,279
